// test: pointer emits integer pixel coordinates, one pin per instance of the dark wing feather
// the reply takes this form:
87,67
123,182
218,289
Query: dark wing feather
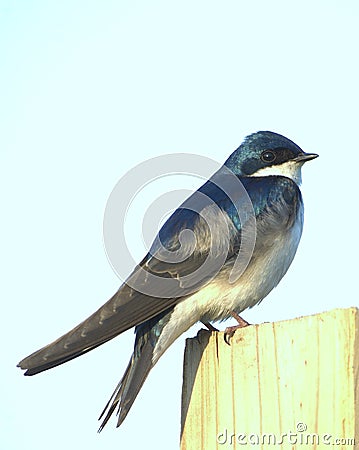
130,306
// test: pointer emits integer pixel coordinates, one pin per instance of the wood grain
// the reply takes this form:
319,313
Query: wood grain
285,385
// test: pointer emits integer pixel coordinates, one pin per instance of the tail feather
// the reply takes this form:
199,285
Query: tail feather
141,362
128,388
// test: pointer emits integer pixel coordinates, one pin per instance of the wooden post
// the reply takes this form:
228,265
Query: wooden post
285,385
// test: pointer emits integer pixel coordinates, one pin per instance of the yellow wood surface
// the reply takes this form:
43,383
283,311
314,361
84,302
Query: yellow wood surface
284,385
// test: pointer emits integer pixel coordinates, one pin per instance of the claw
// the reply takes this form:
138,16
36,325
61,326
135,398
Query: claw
229,331
228,334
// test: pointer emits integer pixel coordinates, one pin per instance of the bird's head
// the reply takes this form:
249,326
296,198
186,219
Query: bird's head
266,153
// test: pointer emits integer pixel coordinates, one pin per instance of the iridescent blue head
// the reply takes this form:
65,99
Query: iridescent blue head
266,153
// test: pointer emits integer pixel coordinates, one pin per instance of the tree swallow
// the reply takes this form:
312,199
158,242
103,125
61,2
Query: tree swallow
165,295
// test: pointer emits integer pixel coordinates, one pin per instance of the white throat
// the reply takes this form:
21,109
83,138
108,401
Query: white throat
289,169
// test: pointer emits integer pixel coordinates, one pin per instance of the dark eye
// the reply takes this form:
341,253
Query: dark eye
268,156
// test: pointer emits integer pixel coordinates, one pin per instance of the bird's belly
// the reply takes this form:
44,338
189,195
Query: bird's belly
219,298
269,263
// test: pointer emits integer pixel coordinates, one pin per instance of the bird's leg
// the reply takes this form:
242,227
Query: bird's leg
229,331
209,326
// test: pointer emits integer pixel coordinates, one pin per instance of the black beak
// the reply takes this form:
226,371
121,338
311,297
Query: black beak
303,157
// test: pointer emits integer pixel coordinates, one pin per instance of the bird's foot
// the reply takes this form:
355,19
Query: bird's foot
229,331
210,326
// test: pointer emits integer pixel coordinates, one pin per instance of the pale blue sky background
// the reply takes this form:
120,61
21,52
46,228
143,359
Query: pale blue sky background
88,90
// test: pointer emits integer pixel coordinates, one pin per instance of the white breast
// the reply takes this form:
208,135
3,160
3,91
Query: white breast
215,301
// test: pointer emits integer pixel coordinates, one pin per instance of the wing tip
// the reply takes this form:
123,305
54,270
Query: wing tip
29,371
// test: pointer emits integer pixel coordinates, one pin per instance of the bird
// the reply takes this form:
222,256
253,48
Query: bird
251,211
